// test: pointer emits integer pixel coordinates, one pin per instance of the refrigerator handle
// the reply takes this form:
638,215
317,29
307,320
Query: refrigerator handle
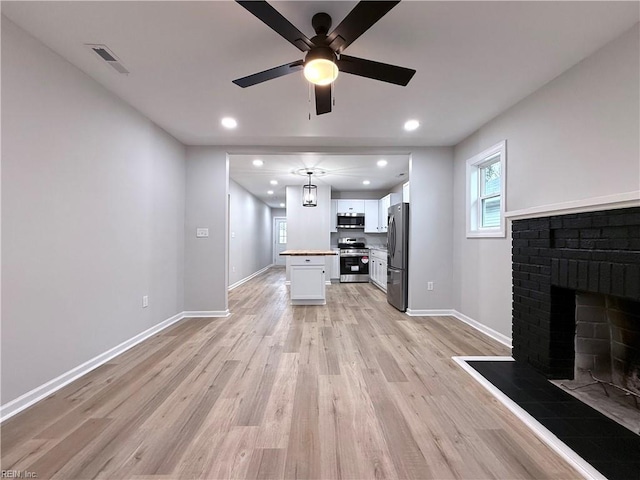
392,237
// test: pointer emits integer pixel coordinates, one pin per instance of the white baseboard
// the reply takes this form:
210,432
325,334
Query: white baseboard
575,460
26,400
431,313
490,332
246,279
206,314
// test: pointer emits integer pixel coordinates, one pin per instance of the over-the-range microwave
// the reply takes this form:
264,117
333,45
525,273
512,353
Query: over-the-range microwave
350,220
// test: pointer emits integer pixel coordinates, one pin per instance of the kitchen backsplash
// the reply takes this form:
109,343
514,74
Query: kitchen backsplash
370,239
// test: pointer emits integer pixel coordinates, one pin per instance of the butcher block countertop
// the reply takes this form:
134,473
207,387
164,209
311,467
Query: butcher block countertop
308,252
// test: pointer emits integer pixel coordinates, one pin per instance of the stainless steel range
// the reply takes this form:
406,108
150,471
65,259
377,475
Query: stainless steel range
354,260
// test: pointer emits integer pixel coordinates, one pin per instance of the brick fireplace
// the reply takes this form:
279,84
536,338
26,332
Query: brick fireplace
562,261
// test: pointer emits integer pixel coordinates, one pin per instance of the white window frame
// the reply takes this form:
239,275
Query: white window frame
473,197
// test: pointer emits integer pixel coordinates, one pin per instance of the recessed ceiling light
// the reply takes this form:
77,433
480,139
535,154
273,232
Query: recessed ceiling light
382,163
228,122
273,182
269,192
366,182
282,205
257,162
411,125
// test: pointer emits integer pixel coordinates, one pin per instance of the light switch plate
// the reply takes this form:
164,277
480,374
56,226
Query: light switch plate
202,232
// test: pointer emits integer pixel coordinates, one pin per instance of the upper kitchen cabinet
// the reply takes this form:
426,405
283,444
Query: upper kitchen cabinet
383,208
350,206
371,216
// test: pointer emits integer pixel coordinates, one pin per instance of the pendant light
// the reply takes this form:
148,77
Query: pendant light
309,194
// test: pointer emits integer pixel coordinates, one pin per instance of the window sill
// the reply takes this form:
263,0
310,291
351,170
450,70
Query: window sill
487,234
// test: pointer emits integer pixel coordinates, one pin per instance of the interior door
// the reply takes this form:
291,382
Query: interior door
279,239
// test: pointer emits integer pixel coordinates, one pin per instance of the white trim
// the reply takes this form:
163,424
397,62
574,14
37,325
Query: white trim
246,279
274,240
430,313
488,331
308,302
207,314
472,193
26,400
618,200
575,460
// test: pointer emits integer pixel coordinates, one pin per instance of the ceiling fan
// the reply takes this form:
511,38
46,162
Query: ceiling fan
324,57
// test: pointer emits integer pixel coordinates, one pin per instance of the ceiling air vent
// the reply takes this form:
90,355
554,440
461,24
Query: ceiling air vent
108,56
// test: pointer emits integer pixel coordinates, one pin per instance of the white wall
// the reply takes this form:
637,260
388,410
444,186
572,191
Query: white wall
576,138
308,227
430,227
250,234
206,203
92,217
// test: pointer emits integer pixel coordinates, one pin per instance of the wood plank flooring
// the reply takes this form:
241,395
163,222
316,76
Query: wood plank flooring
350,390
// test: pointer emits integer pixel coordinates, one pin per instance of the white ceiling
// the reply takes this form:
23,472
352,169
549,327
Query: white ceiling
473,60
344,173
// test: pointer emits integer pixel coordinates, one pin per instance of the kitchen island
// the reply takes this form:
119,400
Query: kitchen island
307,275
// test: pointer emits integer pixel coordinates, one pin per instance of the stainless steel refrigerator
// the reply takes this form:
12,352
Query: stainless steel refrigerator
398,255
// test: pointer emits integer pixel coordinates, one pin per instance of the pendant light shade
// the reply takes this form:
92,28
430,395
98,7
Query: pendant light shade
309,194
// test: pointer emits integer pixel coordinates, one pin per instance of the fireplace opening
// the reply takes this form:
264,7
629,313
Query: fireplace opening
607,356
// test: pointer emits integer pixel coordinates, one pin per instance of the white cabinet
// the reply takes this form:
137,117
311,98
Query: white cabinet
405,192
384,203
350,206
307,280
371,216
378,270
334,263
334,216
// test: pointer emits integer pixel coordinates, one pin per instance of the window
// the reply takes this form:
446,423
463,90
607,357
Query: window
486,192
282,233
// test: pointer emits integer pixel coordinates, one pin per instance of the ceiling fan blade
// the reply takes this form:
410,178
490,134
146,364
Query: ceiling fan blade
363,16
323,99
375,70
272,18
270,74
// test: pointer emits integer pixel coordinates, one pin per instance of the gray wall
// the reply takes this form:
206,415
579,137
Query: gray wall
206,203
576,138
250,237
431,227
92,217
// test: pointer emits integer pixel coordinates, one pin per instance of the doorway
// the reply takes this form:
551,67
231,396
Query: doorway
279,239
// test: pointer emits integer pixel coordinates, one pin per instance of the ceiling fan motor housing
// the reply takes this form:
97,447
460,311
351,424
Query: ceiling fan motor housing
325,53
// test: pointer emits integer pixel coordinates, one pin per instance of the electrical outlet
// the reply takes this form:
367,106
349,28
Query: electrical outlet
145,301
429,285
202,232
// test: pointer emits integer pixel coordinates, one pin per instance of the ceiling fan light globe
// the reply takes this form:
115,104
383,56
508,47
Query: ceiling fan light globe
320,71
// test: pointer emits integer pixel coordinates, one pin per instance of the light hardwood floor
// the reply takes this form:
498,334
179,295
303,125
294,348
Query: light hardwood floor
350,390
